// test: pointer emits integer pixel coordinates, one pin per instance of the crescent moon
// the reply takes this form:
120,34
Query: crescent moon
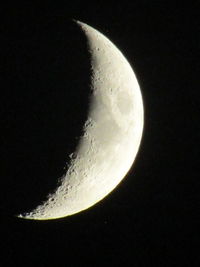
111,135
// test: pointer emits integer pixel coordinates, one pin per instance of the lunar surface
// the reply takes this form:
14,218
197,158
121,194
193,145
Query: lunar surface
111,134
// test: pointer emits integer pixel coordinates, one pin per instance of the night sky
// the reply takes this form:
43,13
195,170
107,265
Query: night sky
152,218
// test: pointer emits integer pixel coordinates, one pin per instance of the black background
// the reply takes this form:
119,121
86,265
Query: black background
152,218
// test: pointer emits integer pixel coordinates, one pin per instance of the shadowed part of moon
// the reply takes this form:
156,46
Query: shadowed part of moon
44,103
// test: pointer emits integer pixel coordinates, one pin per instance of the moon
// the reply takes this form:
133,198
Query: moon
111,134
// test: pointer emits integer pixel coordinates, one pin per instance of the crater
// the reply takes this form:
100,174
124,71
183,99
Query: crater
124,103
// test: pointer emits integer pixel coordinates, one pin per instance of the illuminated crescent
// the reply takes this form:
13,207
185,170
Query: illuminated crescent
112,134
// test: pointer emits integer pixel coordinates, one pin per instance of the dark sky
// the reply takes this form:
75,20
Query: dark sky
152,218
